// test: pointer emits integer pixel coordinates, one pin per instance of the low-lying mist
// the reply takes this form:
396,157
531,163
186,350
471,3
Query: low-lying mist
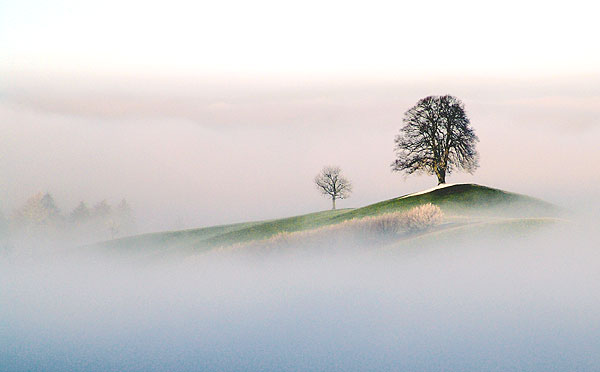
527,304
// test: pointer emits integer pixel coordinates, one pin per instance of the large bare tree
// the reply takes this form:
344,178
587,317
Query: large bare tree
330,182
437,138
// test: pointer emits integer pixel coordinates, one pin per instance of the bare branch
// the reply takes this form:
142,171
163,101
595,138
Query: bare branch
436,138
330,182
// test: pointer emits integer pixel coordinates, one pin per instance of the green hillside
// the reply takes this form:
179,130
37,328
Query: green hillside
463,199
458,201
209,237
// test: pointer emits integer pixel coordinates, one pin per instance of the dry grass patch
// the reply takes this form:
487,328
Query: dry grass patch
356,232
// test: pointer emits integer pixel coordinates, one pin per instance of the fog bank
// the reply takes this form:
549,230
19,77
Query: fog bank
521,304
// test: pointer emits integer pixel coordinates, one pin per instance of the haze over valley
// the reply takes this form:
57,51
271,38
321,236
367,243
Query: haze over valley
310,186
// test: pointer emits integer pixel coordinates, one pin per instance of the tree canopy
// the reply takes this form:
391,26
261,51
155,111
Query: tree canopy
436,138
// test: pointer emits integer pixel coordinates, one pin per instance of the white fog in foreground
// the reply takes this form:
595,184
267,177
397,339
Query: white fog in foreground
527,305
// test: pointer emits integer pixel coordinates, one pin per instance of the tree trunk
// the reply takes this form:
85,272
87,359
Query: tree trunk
333,199
441,175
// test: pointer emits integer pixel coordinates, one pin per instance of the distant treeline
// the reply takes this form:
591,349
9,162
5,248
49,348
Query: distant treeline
40,216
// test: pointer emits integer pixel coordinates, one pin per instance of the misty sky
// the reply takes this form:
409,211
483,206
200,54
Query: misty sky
204,114
378,38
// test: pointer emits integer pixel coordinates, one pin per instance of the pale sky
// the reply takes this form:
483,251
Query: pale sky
374,38
219,112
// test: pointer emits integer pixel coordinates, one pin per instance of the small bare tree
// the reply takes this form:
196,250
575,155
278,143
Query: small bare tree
330,182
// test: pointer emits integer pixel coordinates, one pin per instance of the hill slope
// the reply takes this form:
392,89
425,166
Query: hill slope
454,200
463,199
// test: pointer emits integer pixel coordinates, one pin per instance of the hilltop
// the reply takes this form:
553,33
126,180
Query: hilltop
463,199
475,206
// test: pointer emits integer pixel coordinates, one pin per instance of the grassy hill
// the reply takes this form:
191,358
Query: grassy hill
457,201
463,199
